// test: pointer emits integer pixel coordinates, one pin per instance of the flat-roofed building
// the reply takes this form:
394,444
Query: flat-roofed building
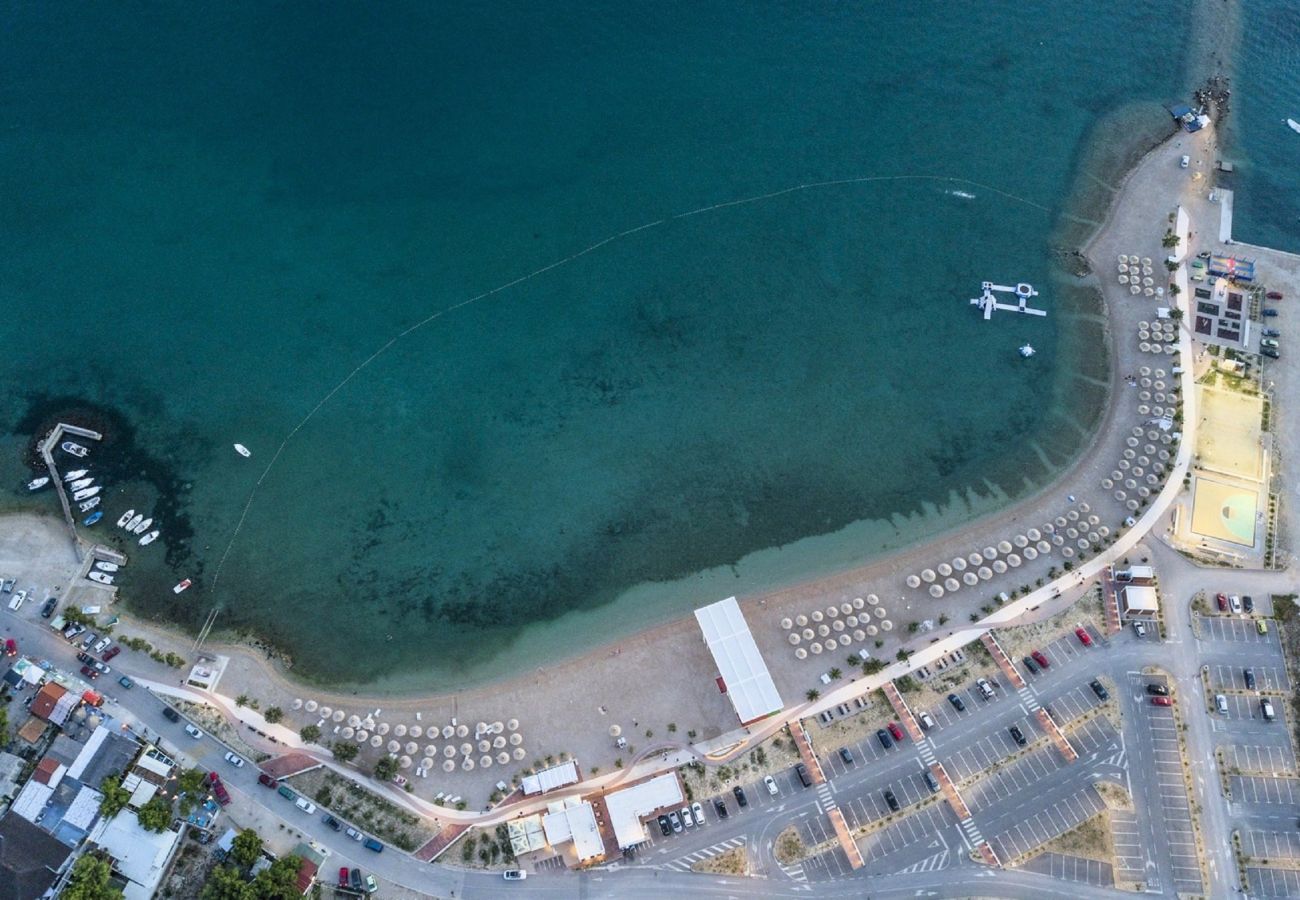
1140,600
744,676
550,779
629,806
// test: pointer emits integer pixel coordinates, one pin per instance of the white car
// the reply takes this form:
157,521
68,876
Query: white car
305,805
514,874
17,600
698,811
234,760
687,820
102,644
193,732
1235,602
1185,161
354,834
1139,628
771,784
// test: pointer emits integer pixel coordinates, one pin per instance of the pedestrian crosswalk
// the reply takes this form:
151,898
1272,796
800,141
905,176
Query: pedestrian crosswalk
929,864
686,862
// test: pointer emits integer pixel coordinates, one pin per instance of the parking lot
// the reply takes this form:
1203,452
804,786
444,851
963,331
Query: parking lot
1270,845
915,833
1161,739
1274,882
1071,868
1234,630
1254,759
1130,860
1269,679
1243,708
1040,827
1264,789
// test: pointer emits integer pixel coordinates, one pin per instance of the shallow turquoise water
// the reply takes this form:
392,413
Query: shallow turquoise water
217,214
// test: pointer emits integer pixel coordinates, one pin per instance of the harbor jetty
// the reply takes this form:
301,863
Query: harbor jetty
51,441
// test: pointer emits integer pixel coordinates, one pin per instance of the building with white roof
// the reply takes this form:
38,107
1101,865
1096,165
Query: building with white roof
551,778
630,805
1140,600
574,820
139,856
745,678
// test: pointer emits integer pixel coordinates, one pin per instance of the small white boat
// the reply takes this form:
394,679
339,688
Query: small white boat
126,517
134,521
90,504
1027,351
107,566
242,450
1294,125
37,483
74,449
81,483
182,586
149,538
143,526
100,577
75,474
86,494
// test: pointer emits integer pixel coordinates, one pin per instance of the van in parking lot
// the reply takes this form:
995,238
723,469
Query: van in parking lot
1221,704
1266,707
931,782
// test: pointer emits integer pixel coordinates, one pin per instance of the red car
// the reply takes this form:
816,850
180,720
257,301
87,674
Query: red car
895,731
11,647
343,876
1162,701
1041,659
89,672
111,652
1223,602
268,780
218,789
1274,295
1082,634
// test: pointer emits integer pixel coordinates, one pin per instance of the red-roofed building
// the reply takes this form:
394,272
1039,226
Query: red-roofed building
47,698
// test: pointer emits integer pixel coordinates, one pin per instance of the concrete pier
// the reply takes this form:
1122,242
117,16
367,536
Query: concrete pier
52,440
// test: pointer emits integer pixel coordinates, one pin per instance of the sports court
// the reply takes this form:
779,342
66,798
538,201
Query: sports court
1224,512
1228,439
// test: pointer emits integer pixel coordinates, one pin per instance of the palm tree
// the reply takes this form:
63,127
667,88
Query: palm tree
1170,239
812,694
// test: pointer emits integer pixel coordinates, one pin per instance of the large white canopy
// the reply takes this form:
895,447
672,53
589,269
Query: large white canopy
744,674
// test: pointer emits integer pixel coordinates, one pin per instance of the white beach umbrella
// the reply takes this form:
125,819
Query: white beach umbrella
1035,534
1013,560
886,625
1072,515
1071,533
951,584
858,602
815,647
1132,505
990,553
859,635
1123,257
466,748
936,591
362,735
786,624
1144,492
1004,546
1153,479
970,578
1123,278
1020,540
1044,547
913,581
809,634
1129,483
1049,528
430,750
449,765
499,742
928,575
832,611
872,630
1120,495
985,573
411,748
1129,455
339,715
1058,540
801,653
1093,537
846,607
448,732
959,564
1146,260
394,746
296,704
354,721
817,615
1067,552
879,612
450,752
823,630
999,566
801,620
310,705
462,730
404,762
1104,531
1083,543
347,732
383,728
1107,484
400,730
945,570
485,761
484,745
1135,289
794,639
520,753
1147,282
1148,292
837,625
416,731
975,559
326,712
1143,409
426,764
852,621
376,741
1030,553
467,765
503,758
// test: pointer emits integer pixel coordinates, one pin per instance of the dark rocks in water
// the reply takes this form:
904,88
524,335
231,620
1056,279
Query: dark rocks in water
1072,261
1214,96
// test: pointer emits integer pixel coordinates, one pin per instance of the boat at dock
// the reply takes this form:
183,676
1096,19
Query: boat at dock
86,494
149,538
182,586
81,483
107,566
134,521
242,450
143,526
37,483
89,504
74,448
75,474
92,518
126,517
100,577
1293,125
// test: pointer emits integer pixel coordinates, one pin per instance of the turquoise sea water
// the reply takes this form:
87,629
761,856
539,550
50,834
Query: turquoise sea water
215,214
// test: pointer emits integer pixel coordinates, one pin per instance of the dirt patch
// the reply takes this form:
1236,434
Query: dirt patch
194,863
1090,839
1113,795
773,755
211,720
1018,641
790,847
732,862
368,811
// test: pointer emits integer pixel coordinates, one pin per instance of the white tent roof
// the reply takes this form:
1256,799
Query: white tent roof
1139,598
748,683
626,807
552,778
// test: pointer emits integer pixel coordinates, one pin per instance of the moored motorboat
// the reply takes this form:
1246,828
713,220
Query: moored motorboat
75,474
1293,125
106,566
100,577
182,586
86,494
81,483
93,518
242,450
126,517
74,449
149,538
89,504
143,526
134,521
37,483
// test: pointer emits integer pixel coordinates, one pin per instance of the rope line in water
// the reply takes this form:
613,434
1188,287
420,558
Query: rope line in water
839,182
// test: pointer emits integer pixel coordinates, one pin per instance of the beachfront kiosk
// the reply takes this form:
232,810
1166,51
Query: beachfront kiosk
743,675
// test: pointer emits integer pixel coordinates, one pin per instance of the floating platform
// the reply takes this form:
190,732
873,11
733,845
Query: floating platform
988,300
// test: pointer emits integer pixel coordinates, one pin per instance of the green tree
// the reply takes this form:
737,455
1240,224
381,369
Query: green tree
155,815
309,733
872,666
836,673
227,883
4,727
247,847
813,694
115,796
345,751
386,768
279,881
273,714
192,781
241,700
89,880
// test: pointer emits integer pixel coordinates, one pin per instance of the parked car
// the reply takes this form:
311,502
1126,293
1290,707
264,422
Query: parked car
698,811
1249,675
17,601
896,730
85,658
372,885
237,762
126,682
986,689
218,789
102,644
741,799
354,834
687,819
802,771
675,821
1273,295
1162,701
100,667
1266,707
87,639
90,673
170,714
356,879
1185,161
1099,689
1271,332
1248,603
665,827
1158,690
1222,600
1082,634
1221,704
1030,665
1261,626
883,736
720,807
891,800
11,647
1269,312
931,781
1041,659
192,731
332,823
1271,353
1139,629
373,845
343,876
1235,602
846,756
957,703
770,783
48,608
514,874
926,720
1270,342
1017,735
111,652
273,782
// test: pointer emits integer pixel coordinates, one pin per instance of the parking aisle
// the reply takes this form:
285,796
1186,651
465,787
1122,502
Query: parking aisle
1231,630
1127,838
1262,760
1072,868
1265,790
910,840
1268,678
1271,845
1274,882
